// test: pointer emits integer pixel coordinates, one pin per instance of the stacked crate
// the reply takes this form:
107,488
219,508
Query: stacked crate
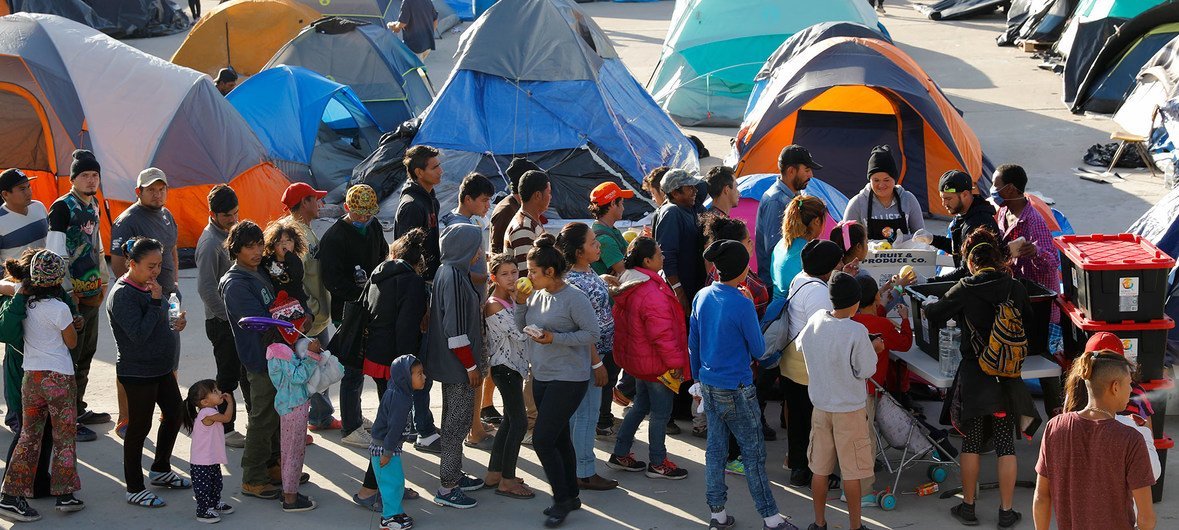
1118,283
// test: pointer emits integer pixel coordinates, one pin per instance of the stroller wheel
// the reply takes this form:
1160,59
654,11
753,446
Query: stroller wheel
888,502
937,473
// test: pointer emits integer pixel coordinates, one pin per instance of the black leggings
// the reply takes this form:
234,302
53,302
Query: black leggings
505,450
142,397
985,430
798,423
605,416
556,401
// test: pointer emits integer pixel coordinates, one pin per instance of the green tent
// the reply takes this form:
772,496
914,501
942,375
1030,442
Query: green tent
1093,21
714,48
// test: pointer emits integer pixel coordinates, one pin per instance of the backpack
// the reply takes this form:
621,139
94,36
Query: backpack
775,325
1007,346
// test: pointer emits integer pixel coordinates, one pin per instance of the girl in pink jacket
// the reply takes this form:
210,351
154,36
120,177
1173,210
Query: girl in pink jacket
650,340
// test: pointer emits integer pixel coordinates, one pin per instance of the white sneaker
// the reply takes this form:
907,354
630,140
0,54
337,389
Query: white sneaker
366,424
358,438
235,439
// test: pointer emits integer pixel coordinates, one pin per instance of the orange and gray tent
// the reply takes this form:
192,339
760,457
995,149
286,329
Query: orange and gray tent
844,95
243,34
65,86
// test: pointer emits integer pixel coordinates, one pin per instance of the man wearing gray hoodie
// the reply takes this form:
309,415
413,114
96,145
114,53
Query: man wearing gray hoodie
454,355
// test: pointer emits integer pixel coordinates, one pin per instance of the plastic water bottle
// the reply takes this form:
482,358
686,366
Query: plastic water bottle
949,354
927,325
173,310
359,276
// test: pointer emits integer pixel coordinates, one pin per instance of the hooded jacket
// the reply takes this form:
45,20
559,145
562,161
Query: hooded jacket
342,249
290,374
397,302
650,331
454,340
247,294
419,209
981,213
974,394
393,413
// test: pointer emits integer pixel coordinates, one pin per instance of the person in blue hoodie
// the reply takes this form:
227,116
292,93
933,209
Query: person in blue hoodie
406,375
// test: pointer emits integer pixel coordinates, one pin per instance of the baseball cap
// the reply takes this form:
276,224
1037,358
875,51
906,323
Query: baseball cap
225,75
795,154
676,179
362,200
1104,340
12,178
608,192
148,176
295,193
954,181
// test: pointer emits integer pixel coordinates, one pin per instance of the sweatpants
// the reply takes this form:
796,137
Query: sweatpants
556,401
262,438
458,402
143,394
206,487
294,446
48,398
391,484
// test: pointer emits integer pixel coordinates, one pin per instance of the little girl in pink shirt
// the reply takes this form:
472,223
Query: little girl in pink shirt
202,418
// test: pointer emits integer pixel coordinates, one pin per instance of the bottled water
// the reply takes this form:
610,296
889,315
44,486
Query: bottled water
173,310
359,276
949,354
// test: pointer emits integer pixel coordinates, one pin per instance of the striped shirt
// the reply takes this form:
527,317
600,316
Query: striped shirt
522,232
18,232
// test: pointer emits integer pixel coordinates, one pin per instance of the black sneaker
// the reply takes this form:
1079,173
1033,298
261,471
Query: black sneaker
800,478
400,521
626,463
301,504
17,509
729,521
490,415
85,434
1009,518
90,417
768,433
68,503
964,513
434,447
672,428
208,517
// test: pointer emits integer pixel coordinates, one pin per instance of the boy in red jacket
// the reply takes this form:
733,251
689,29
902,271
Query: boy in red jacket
893,376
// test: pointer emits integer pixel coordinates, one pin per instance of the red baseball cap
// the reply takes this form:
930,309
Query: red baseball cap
608,192
1104,340
295,193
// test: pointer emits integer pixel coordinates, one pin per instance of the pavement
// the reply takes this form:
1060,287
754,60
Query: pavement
1014,108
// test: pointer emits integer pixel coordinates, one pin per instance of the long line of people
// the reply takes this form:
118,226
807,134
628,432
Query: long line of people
669,322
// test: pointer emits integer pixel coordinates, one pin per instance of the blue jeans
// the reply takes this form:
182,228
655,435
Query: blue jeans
654,398
351,386
583,427
736,412
423,419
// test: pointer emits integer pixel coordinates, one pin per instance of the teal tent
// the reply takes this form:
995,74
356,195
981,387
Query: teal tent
714,48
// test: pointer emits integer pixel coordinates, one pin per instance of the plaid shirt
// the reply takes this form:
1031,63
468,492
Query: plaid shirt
1044,266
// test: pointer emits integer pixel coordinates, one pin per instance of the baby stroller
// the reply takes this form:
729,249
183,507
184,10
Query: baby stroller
897,429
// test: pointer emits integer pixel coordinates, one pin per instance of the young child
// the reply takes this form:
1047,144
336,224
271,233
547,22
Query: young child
204,421
48,392
289,371
724,338
406,375
840,357
650,341
282,259
893,376
509,368
1094,470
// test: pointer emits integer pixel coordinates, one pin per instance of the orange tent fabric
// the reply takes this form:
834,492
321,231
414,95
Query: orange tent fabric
243,34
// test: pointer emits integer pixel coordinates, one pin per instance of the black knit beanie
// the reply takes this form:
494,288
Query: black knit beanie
730,258
881,161
516,169
83,161
820,256
844,290
222,200
868,290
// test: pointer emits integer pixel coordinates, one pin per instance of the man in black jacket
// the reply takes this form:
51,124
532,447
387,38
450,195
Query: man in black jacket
348,253
419,207
970,212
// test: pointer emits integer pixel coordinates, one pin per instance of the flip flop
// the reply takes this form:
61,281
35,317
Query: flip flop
484,444
514,495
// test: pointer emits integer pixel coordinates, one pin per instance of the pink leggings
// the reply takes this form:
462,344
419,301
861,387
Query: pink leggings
294,444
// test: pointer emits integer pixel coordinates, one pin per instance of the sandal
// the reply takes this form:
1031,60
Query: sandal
146,499
484,443
169,479
520,492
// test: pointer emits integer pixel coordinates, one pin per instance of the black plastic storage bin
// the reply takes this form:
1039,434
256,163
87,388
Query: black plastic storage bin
926,333
1114,278
1145,342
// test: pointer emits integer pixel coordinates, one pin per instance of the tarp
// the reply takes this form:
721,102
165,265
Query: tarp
69,86
370,59
1099,82
305,118
539,77
117,18
714,48
1157,81
1017,14
1159,224
955,9
243,34
1037,20
841,97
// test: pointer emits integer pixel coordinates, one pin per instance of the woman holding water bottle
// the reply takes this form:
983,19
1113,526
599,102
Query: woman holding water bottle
987,410
146,338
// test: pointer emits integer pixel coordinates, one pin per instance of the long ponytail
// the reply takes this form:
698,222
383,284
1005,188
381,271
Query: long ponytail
1092,367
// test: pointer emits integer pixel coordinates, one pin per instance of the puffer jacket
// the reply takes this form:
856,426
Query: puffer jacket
650,332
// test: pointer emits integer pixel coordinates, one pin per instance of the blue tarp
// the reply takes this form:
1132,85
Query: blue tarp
465,9
754,186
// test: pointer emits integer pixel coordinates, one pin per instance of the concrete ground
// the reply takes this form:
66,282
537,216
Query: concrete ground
1014,108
